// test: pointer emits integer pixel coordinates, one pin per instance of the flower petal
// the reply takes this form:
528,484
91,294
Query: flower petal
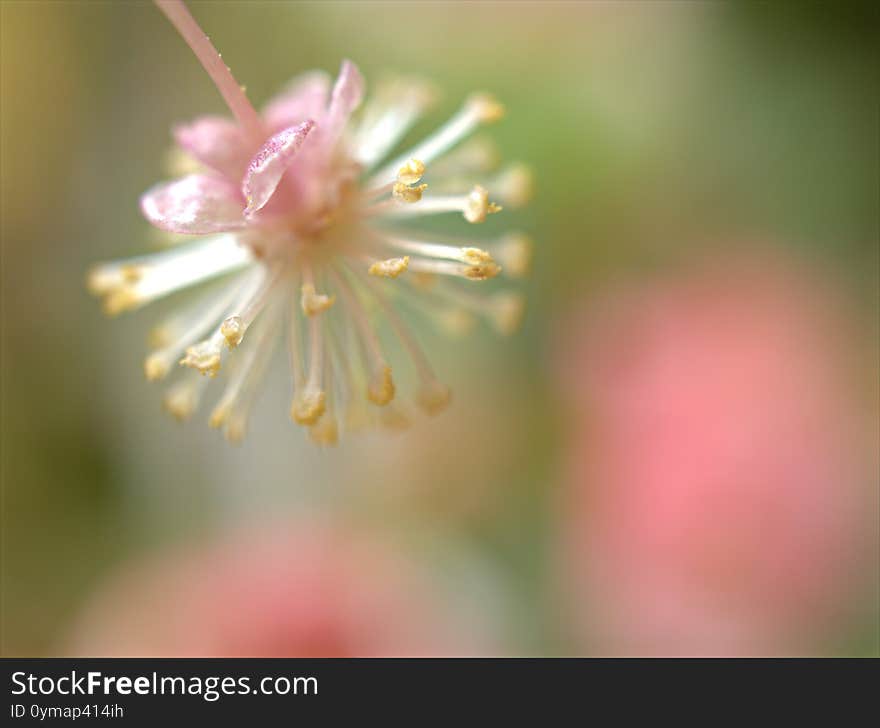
303,98
270,163
348,92
215,142
196,205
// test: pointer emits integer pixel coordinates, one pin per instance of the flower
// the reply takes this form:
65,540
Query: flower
301,224
311,588
718,495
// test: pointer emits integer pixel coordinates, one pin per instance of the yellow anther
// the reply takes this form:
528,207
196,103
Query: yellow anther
456,321
411,172
120,300
390,268
220,415
103,280
394,419
515,254
475,256
515,185
380,390
236,429
233,329
506,312
482,271
156,366
487,108
159,337
405,193
308,407
325,431
204,357
180,401
314,303
433,397
478,207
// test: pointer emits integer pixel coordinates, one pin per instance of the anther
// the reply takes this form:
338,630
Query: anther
411,172
380,390
390,268
313,303
308,407
477,206
233,329
404,193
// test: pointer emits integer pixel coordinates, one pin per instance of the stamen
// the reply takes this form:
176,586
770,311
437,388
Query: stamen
475,206
478,205
408,174
388,118
504,310
314,303
380,387
307,406
394,419
253,360
514,251
411,172
294,346
390,268
454,321
474,156
357,415
310,404
403,193
244,364
472,256
234,327
182,398
105,278
130,284
432,396
237,422
480,271
325,431
205,356
514,186
479,109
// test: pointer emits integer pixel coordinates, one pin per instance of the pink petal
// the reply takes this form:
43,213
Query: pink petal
197,204
215,142
348,92
304,98
270,163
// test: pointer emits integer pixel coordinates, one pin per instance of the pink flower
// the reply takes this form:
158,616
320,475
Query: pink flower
298,591
298,211
718,487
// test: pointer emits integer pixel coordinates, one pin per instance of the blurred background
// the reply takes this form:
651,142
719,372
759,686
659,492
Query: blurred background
676,455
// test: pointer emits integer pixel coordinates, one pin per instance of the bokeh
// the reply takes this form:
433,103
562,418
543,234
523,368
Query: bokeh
676,455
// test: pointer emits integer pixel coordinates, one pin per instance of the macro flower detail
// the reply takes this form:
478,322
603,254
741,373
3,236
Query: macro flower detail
298,224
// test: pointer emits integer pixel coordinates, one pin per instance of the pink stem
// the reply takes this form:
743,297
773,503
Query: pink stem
210,59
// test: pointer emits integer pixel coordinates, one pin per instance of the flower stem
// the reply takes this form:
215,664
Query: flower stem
211,61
